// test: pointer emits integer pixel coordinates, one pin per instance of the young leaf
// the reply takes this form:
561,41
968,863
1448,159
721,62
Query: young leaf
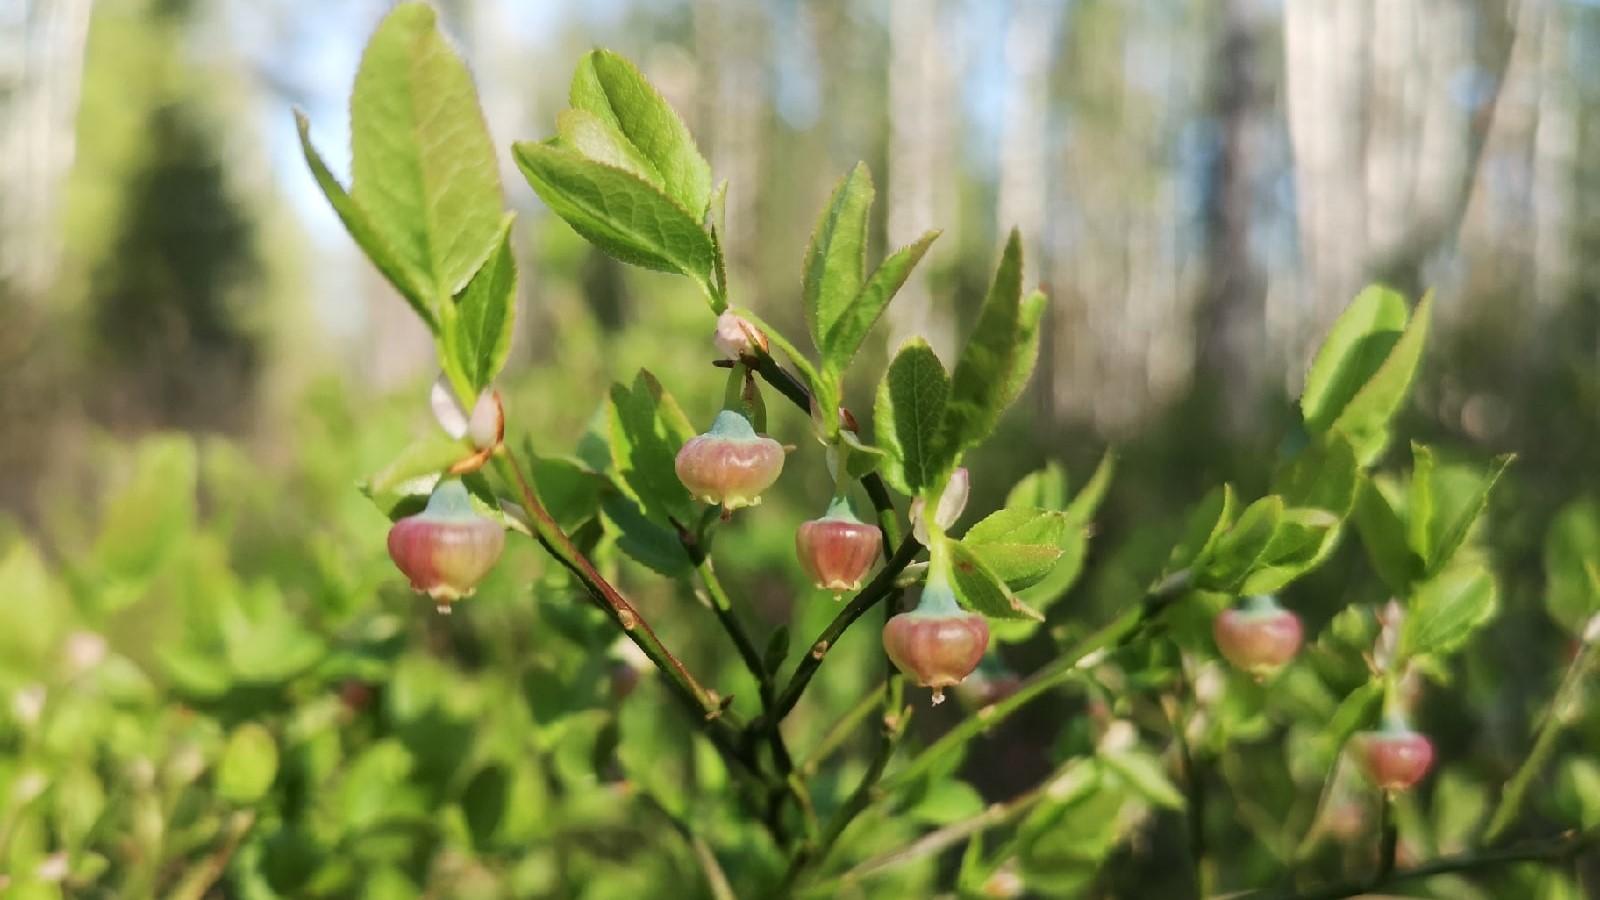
1458,495
1083,506
850,328
1143,773
591,136
647,429
479,331
836,258
618,211
249,764
1572,594
1211,517
1237,552
1383,533
423,166
1323,475
1365,419
1361,339
908,414
979,384
1029,319
415,286
1303,539
426,457
1447,609
1045,488
980,589
611,89
1021,546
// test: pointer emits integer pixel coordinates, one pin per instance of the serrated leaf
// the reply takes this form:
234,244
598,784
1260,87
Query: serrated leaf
1383,534
248,766
1324,475
647,428
596,139
1365,419
1020,546
609,87
423,166
1303,539
854,321
1206,524
569,493
836,258
908,415
1572,592
422,458
1083,506
618,211
980,589
1030,318
1446,609
1144,774
479,332
1446,501
1044,488
646,542
978,385
1361,339
1237,552
410,282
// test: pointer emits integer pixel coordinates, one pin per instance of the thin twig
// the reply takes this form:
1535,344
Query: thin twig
1544,744
876,590
1057,672
707,703
1551,849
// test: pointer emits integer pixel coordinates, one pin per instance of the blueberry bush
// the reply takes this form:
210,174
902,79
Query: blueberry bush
583,701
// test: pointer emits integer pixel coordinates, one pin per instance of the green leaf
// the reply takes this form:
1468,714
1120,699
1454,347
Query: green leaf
1087,502
609,87
1303,539
249,764
1144,774
979,384
1020,546
836,258
423,166
1044,488
568,492
1205,526
946,800
648,543
1029,319
908,415
479,330
1383,533
420,459
1572,592
412,284
647,429
1324,475
1446,501
1361,339
1447,609
1237,552
1365,419
852,323
618,211
1357,710
980,589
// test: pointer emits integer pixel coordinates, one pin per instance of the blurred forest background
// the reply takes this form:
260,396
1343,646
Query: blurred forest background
1202,185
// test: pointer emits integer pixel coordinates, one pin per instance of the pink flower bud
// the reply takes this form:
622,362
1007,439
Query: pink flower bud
838,549
730,464
1395,758
487,427
1260,637
951,504
446,549
938,643
736,337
